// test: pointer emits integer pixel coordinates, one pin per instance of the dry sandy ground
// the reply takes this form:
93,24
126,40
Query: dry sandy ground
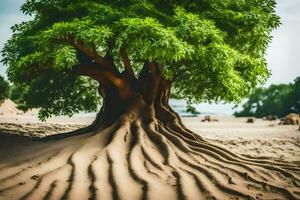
262,139
118,165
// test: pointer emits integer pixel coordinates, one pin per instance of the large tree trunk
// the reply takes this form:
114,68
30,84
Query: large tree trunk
138,148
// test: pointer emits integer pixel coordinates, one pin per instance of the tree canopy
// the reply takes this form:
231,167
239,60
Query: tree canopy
212,50
4,89
279,100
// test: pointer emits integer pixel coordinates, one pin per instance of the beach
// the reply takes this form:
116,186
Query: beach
100,166
265,139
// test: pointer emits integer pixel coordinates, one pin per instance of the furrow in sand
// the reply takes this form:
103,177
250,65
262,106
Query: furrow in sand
163,146
245,176
180,194
207,188
199,183
111,178
215,180
171,156
29,168
101,171
224,153
38,183
160,183
152,154
113,133
134,139
50,191
149,171
137,178
149,159
216,156
44,182
192,150
220,158
285,192
220,166
153,160
92,177
176,143
121,176
235,159
11,187
35,186
38,177
200,149
70,179
248,177
230,155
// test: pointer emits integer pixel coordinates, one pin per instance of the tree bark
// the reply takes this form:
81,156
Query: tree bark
146,98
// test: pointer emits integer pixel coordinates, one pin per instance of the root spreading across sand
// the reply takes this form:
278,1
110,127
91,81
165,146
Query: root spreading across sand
137,148
131,160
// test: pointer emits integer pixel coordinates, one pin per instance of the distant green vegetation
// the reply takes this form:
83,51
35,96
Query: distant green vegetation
16,93
4,89
278,100
191,109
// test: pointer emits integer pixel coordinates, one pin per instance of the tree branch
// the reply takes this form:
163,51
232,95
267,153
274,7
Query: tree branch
91,52
127,65
96,72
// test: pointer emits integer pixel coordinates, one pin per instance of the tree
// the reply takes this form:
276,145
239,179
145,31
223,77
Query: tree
133,52
279,100
267,101
4,88
294,97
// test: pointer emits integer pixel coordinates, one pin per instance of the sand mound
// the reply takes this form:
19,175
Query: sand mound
36,129
130,161
8,107
291,119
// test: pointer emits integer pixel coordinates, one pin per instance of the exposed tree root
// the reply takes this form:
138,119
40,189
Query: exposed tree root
134,160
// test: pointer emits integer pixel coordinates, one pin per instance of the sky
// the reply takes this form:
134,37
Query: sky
283,54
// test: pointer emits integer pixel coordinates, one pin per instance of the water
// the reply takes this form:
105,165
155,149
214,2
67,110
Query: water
204,109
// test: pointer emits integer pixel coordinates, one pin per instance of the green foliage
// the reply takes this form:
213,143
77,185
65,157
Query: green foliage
4,89
278,100
65,58
294,97
191,109
16,93
213,50
155,42
46,93
84,30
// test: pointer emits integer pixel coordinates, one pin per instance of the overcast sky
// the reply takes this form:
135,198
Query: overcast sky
283,55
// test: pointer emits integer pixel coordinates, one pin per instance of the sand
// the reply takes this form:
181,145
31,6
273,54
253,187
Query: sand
8,107
105,166
262,139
